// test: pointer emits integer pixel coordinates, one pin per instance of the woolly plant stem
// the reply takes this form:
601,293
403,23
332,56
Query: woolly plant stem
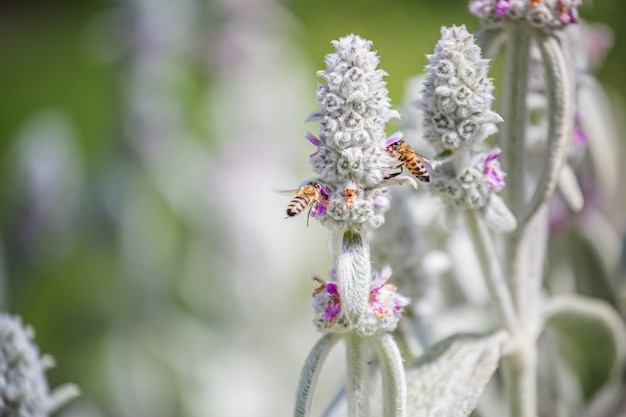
521,364
357,370
310,373
394,380
561,116
492,270
514,113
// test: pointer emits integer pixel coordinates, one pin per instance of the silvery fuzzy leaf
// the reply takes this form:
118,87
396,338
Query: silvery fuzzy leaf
498,216
449,378
568,185
592,339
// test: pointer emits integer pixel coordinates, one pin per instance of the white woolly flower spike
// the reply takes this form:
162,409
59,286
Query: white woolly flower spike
24,389
543,14
351,158
457,99
457,93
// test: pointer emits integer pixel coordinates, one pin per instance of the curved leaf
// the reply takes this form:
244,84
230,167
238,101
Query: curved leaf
451,376
592,338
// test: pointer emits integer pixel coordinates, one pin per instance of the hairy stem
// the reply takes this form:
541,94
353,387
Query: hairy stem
561,118
492,270
521,365
514,112
310,373
394,380
357,385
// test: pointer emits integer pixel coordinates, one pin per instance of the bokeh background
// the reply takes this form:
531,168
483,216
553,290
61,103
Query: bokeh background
140,145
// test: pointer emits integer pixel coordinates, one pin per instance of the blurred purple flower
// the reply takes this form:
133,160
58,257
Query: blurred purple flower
494,175
502,6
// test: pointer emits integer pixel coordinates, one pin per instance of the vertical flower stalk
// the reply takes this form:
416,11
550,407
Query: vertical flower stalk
523,25
457,99
355,171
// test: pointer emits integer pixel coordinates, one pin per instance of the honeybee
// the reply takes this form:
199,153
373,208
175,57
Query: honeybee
535,3
413,161
350,197
311,195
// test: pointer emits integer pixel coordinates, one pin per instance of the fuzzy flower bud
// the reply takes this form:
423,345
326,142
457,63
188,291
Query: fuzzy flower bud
384,306
543,14
23,384
351,158
457,93
472,185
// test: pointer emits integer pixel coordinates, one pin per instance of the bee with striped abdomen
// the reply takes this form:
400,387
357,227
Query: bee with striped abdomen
413,161
311,195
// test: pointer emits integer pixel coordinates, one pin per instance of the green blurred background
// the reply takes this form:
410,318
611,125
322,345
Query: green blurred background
140,144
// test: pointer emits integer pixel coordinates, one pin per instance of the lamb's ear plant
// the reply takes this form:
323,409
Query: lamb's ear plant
496,171
356,305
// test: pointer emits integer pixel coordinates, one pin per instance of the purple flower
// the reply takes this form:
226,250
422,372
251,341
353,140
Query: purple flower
334,305
385,305
314,140
492,172
378,307
502,6
383,296
329,291
322,205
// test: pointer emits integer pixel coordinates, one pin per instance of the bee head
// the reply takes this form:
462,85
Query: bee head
394,141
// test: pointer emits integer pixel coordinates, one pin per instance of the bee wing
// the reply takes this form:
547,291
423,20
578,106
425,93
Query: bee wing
286,192
427,161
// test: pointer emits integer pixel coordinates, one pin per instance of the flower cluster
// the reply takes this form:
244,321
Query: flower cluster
23,385
457,93
457,98
351,158
543,14
472,185
385,306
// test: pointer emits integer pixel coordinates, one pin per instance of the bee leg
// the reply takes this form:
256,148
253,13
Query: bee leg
308,216
395,174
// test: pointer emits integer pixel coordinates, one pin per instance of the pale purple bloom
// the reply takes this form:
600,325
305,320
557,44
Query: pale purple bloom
334,304
322,205
502,6
314,140
385,305
493,174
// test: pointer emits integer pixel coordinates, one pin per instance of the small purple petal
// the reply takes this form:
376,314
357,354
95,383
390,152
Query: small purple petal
320,208
332,288
492,173
394,138
314,140
332,311
492,155
502,6
334,305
